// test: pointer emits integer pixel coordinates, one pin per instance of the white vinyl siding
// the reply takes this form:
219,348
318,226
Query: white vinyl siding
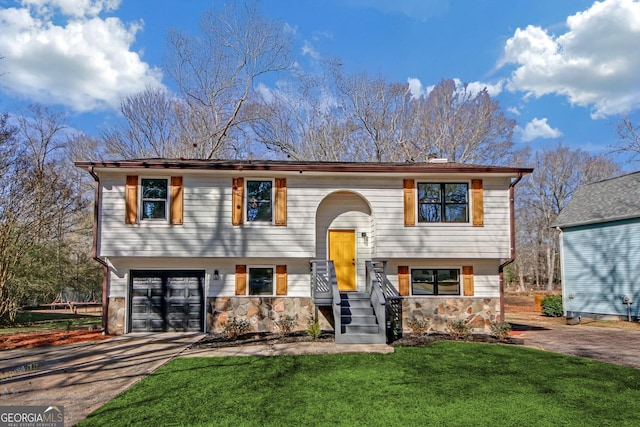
208,232
298,279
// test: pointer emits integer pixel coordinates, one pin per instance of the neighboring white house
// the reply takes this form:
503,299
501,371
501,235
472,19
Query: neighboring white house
190,244
600,249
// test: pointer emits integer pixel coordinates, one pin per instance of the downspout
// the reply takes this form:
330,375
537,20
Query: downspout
512,238
94,252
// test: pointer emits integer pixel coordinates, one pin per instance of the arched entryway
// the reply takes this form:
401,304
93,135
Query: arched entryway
345,230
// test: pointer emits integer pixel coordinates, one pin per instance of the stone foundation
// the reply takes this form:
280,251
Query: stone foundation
478,313
261,312
115,320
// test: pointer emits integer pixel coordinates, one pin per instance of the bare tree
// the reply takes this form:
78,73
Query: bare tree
39,205
150,127
461,125
216,70
557,174
629,135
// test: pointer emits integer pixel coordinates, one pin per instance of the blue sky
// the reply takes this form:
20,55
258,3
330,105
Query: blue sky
566,71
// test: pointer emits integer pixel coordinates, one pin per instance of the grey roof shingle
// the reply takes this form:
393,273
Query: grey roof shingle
603,201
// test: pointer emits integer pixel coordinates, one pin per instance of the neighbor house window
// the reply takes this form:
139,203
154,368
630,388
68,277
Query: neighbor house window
443,202
154,198
435,281
259,201
260,281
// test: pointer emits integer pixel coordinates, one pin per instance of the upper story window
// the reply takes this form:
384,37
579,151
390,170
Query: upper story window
259,201
154,198
432,281
443,202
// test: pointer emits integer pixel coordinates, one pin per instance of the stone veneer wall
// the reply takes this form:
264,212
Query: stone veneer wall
261,312
478,313
115,321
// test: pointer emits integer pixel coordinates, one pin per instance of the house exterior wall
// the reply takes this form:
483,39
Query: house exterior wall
207,230
373,206
601,265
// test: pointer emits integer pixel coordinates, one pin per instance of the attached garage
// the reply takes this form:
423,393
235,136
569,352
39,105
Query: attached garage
166,300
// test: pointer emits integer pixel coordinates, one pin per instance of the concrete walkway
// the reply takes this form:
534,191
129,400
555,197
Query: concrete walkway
288,349
83,377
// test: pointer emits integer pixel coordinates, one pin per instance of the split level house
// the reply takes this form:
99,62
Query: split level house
600,249
365,248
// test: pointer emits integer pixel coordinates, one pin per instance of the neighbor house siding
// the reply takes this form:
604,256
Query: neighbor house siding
601,264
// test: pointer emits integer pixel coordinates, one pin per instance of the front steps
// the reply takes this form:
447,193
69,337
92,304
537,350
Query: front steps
358,322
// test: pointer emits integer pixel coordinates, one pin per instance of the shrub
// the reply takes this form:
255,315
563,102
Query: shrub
313,328
419,326
501,330
458,329
286,323
235,327
552,305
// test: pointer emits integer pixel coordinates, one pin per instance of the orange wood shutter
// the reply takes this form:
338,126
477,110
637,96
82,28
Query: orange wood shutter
477,200
241,279
403,280
176,210
237,201
131,200
467,280
409,202
281,279
281,201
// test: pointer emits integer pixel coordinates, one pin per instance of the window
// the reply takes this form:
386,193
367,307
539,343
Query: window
259,197
431,281
443,202
260,281
154,198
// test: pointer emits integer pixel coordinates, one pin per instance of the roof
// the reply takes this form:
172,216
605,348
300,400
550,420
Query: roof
613,199
297,166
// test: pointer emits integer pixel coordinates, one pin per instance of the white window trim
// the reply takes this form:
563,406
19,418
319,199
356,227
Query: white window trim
469,221
167,206
273,280
440,267
245,214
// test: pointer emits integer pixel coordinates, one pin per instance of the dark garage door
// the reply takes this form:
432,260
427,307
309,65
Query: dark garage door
166,301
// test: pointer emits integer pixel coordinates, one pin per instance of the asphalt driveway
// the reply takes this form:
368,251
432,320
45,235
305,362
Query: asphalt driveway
83,377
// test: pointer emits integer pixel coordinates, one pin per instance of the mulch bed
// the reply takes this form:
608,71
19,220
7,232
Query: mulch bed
407,340
39,339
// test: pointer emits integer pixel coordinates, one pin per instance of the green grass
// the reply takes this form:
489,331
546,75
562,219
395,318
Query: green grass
41,321
447,383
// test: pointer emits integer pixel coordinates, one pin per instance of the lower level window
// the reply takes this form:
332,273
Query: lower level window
260,281
435,281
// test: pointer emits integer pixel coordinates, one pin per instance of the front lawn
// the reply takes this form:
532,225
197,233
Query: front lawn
446,383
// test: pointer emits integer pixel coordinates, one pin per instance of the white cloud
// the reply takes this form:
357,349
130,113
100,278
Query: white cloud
514,110
85,63
539,128
421,10
594,63
308,49
417,89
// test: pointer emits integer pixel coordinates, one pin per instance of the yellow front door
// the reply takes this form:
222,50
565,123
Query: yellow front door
342,251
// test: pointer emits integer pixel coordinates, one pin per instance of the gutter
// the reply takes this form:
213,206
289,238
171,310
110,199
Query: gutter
512,238
94,251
